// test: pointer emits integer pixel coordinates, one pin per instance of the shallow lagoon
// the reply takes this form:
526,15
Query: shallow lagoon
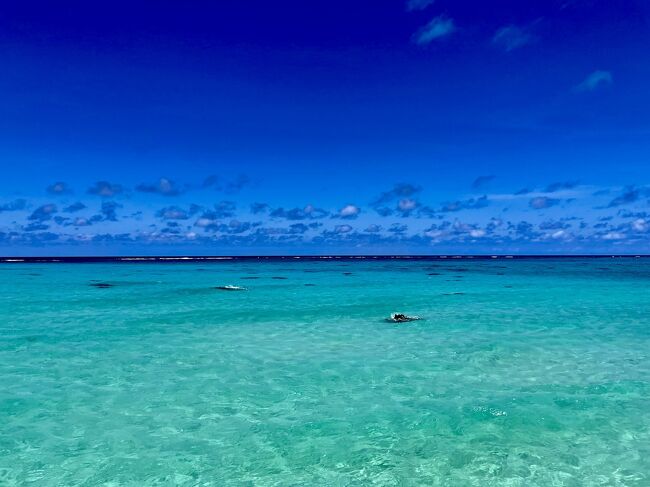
524,372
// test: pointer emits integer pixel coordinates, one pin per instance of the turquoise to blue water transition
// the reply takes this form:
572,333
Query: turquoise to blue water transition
523,373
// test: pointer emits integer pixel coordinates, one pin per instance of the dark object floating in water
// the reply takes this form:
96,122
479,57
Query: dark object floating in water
310,285
452,294
402,318
231,288
101,285
279,277
347,273
433,274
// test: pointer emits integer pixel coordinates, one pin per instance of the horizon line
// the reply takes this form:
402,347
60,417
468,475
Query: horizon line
186,258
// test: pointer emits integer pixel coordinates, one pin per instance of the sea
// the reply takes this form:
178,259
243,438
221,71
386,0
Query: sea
143,372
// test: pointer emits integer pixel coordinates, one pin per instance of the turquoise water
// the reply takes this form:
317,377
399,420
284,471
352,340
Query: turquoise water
524,373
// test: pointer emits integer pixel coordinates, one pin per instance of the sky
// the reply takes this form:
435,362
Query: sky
324,127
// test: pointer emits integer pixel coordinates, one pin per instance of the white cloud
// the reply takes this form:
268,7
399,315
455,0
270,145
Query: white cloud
596,80
640,225
418,4
407,204
614,236
511,37
349,211
439,27
205,222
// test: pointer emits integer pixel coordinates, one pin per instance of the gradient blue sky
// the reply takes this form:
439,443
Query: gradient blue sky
293,127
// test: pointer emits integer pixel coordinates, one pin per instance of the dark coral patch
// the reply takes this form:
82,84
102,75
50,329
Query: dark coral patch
101,285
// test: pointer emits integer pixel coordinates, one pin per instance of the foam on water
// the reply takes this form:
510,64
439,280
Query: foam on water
523,373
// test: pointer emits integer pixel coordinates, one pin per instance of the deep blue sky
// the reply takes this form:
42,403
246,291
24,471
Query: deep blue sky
230,127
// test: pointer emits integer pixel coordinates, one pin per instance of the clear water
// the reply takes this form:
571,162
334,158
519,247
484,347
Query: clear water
537,374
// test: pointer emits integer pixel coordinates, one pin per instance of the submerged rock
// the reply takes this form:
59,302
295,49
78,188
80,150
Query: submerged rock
101,285
231,288
402,318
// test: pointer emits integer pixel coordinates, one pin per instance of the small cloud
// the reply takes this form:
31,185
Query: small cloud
209,220
58,188
412,5
80,222
15,205
294,229
438,28
614,236
526,230
426,212
298,228
207,223
470,204
164,187
107,237
36,227
553,187
232,186
235,227
349,212
628,214
640,225
400,190
405,206
630,195
224,209
237,184
384,211
542,202
211,181
340,229
373,229
177,213
559,234
259,208
43,213
554,225
308,212
105,189
511,37
481,181
109,210
596,80
397,228
78,206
